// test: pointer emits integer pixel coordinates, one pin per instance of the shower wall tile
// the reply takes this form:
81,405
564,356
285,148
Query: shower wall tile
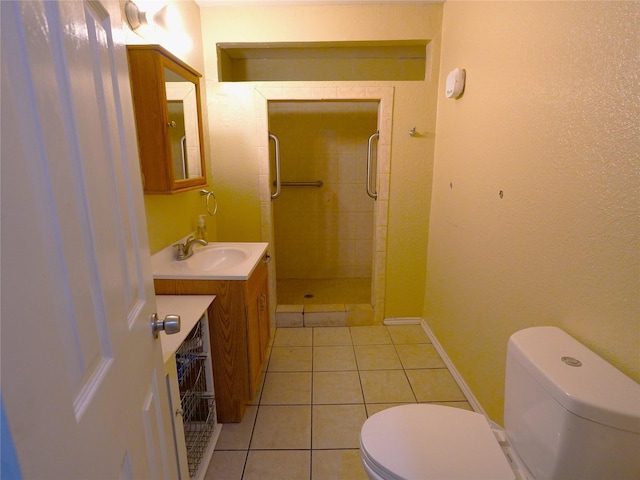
384,157
381,213
321,233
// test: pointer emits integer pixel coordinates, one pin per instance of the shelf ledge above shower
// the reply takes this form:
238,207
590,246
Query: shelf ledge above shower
400,60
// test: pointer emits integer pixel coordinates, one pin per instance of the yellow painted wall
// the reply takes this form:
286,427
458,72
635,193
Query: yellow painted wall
233,124
549,118
171,217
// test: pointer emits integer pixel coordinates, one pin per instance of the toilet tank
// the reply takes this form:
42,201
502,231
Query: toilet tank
568,413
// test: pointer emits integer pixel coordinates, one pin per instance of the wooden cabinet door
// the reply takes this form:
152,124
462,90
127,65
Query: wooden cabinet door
257,316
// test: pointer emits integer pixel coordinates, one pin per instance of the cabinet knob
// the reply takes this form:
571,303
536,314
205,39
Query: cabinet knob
170,324
172,124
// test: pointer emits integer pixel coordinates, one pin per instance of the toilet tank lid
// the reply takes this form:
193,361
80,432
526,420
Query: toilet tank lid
594,390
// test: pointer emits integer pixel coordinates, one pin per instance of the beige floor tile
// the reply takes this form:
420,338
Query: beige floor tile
282,427
226,465
287,388
256,398
434,385
377,357
236,436
370,335
336,358
290,359
290,439
462,405
293,337
337,426
419,355
337,465
326,336
386,386
408,334
336,388
373,408
278,465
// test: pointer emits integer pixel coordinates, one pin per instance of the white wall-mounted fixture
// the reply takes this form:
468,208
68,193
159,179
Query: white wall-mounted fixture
455,83
158,22
137,18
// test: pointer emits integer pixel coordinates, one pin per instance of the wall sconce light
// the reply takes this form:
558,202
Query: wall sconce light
137,18
158,21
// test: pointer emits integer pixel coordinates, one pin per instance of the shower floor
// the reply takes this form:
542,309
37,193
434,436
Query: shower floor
322,291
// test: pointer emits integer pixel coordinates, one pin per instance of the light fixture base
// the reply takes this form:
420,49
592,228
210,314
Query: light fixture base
135,18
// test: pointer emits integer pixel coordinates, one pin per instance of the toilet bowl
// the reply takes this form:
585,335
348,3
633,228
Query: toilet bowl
568,415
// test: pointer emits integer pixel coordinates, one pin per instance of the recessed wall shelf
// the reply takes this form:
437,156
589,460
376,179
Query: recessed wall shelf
322,61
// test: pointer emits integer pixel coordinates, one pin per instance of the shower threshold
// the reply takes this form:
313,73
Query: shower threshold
323,302
324,315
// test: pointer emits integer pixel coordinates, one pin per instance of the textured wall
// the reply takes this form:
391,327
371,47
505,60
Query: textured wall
171,217
536,202
233,123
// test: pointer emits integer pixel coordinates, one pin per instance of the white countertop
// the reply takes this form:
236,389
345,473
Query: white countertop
190,308
165,265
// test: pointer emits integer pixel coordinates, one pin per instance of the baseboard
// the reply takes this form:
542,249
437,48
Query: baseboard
473,401
402,321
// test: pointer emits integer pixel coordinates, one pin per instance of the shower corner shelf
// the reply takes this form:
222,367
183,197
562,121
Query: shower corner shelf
189,376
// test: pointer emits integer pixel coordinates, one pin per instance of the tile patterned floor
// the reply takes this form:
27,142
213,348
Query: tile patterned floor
320,386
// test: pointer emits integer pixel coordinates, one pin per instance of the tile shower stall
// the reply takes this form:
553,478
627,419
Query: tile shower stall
323,219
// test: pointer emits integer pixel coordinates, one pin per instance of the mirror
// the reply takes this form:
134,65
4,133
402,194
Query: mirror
182,106
166,100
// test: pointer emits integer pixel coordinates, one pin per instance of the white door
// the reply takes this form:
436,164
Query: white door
82,379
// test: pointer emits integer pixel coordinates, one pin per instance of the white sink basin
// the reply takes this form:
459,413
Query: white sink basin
215,261
210,258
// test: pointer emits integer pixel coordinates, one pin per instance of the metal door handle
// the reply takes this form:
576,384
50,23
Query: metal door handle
277,154
371,191
170,324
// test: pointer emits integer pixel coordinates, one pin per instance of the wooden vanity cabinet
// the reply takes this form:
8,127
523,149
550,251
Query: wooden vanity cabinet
240,331
166,102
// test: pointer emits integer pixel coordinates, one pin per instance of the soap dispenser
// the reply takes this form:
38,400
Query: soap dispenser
202,228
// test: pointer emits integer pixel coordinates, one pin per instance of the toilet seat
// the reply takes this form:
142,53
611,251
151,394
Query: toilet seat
420,442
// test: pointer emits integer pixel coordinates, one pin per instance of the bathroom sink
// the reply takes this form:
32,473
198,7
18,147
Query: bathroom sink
215,261
210,258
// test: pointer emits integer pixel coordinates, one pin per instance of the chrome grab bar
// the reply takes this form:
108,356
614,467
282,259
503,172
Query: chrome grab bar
317,183
183,149
277,181
371,192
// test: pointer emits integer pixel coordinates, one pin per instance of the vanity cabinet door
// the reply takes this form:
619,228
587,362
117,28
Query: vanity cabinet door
258,330
166,101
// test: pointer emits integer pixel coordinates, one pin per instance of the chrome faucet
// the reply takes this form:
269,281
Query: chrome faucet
185,250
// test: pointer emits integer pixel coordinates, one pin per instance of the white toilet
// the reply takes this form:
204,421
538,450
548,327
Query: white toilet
568,415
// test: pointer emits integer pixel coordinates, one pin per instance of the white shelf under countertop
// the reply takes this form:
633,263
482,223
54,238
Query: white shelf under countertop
190,308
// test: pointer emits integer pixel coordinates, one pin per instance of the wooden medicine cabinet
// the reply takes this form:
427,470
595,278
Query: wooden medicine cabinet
166,101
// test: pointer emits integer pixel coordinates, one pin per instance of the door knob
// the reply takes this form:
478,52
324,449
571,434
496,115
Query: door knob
170,324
